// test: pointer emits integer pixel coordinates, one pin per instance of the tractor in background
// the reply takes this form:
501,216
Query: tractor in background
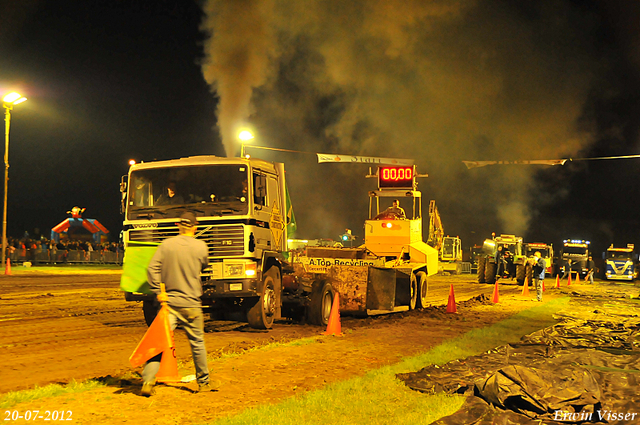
503,257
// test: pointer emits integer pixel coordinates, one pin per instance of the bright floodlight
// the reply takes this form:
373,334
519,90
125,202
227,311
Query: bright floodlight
13,98
245,135
132,162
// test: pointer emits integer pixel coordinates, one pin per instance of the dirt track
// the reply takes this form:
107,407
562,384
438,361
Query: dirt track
56,328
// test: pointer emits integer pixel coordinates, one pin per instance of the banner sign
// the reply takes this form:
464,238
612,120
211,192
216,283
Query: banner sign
328,157
476,164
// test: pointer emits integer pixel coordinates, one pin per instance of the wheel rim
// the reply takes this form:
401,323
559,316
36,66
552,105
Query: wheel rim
423,288
269,301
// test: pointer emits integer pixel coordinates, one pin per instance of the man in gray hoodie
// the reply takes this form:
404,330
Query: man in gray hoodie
177,263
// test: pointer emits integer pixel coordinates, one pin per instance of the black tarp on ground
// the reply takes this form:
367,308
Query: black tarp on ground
584,369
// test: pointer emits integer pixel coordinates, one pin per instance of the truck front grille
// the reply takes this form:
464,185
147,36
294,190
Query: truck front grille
223,241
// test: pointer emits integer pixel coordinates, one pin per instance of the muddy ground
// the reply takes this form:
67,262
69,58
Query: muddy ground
58,328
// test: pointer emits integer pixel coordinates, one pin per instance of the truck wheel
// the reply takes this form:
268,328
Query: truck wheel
528,275
414,292
422,289
520,274
490,272
150,311
262,314
322,294
481,267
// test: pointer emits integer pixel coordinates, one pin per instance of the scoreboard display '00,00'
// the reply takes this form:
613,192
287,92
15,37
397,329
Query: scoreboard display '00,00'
396,177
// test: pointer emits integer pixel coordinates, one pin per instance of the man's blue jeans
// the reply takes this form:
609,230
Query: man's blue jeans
192,321
538,283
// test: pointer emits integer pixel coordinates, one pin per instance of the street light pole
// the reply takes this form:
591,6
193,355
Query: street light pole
7,124
8,102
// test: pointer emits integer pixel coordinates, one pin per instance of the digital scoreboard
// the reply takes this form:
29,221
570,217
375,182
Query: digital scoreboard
396,177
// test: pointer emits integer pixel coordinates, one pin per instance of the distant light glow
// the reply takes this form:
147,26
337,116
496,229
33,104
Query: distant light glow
132,162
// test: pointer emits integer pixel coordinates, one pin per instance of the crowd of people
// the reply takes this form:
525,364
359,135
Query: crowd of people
45,250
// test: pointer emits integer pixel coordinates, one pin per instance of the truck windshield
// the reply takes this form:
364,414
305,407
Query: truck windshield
544,252
574,251
207,190
619,255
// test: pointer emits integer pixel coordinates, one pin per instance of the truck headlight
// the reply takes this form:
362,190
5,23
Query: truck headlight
233,269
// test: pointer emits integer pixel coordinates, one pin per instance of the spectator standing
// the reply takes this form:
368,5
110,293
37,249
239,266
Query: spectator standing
539,266
567,268
591,269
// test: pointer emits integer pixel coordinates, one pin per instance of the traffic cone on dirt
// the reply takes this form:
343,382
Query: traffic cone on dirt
569,282
7,269
543,288
168,371
578,278
334,327
496,295
557,281
451,305
525,288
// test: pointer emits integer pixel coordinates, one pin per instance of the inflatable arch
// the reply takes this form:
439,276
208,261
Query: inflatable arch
76,220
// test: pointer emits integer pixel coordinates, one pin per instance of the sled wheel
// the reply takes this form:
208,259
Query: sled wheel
322,294
422,289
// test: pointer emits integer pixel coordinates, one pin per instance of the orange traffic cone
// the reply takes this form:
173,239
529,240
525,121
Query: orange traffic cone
525,288
557,281
451,305
7,269
569,282
168,371
496,295
334,326
578,278
543,288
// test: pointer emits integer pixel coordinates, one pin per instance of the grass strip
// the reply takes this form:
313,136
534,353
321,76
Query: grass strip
12,398
379,398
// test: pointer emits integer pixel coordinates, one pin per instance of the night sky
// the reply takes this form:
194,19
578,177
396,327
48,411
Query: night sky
437,81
